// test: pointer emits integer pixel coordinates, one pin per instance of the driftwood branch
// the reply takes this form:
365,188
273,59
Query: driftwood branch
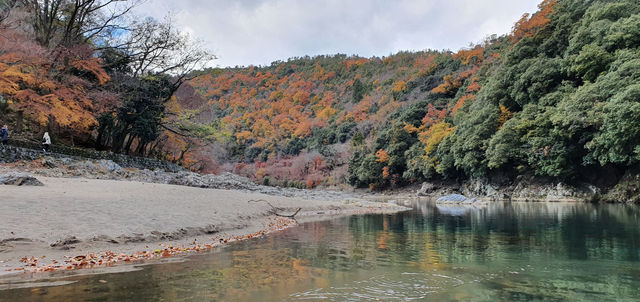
276,210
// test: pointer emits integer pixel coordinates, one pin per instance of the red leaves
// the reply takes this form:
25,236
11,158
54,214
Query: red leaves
433,116
110,258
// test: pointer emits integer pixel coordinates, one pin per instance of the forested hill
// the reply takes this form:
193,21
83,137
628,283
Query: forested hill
559,97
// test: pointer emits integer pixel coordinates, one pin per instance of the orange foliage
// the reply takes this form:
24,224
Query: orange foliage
474,55
355,62
360,111
303,129
399,86
460,102
467,73
26,82
505,115
385,172
93,66
449,85
242,136
301,97
474,87
527,26
382,156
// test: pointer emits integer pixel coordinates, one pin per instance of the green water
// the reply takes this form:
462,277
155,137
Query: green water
506,252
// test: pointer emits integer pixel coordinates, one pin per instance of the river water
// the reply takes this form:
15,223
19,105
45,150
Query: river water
504,252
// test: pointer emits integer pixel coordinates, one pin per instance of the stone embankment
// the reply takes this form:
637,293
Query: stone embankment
28,151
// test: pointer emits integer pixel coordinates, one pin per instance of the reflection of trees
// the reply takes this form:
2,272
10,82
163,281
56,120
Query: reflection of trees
550,241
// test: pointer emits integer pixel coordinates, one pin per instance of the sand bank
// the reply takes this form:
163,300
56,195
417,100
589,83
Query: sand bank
74,222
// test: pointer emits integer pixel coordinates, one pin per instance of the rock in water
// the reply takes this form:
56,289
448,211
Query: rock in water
19,179
453,198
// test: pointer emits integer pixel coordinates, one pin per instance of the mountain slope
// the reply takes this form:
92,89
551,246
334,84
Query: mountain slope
557,98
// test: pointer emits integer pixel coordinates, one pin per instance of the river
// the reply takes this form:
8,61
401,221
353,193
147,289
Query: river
503,252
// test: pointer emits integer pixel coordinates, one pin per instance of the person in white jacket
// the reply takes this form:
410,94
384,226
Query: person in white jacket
46,142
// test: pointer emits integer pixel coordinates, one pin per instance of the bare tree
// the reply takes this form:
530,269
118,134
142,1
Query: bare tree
69,22
158,47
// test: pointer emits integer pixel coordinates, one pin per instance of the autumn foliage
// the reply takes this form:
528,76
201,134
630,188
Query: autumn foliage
49,93
528,25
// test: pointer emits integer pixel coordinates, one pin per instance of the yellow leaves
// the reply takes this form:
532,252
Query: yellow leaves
275,95
505,115
47,86
20,74
261,128
355,62
8,87
326,113
410,128
382,156
399,86
32,89
433,137
172,106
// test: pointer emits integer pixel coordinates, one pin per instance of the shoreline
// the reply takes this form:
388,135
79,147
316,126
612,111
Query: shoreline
72,223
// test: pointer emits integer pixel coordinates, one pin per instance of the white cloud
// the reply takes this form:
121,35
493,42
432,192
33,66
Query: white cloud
257,32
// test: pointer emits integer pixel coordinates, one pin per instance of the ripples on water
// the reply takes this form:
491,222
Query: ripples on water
507,251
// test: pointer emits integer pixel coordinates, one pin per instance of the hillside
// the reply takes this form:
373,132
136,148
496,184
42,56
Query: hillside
557,99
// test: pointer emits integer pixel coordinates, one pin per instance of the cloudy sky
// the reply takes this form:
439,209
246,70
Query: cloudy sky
257,32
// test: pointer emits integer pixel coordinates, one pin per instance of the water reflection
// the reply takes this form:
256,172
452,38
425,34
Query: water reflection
505,251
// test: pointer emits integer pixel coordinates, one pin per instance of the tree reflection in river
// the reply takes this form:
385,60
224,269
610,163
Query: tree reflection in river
506,251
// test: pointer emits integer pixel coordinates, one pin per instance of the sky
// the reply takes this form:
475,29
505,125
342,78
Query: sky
258,32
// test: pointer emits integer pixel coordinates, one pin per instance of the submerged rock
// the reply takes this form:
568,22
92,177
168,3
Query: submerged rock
453,198
458,199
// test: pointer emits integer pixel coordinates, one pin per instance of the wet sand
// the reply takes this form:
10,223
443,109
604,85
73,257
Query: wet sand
73,222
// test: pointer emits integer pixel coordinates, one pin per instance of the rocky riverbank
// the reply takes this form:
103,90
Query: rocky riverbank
66,167
625,190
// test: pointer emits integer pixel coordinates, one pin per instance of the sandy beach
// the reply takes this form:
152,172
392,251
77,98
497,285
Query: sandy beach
74,223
